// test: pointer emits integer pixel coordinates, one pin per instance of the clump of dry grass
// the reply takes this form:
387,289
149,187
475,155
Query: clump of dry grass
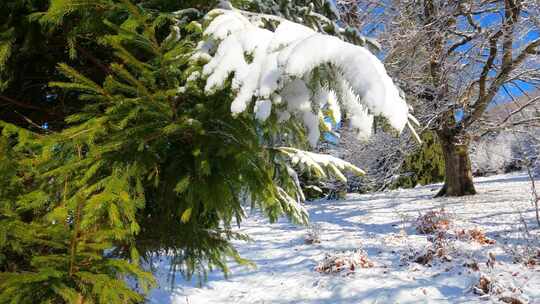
433,221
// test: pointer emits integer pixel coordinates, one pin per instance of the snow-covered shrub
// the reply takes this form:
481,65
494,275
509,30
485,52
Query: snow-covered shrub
433,221
348,261
313,234
533,259
444,242
494,154
528,254
381,157
427,257
490,286
440,248
486,286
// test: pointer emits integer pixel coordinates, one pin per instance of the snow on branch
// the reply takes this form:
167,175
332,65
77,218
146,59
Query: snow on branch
295,71
320,164
292,207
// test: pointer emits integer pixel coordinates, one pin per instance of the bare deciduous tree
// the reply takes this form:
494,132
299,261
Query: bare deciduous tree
454,59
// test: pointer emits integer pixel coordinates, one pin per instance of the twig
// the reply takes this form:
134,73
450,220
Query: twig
535,194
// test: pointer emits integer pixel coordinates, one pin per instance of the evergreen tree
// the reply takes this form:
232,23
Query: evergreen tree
53,246
425,165
153,162
36,35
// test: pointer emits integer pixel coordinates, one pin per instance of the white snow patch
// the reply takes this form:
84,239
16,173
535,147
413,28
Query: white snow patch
382,224
263,109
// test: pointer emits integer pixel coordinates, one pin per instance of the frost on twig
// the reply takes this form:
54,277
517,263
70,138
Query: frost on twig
292,207
321,165
313,234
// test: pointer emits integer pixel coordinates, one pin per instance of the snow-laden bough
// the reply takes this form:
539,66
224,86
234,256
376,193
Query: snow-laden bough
296,71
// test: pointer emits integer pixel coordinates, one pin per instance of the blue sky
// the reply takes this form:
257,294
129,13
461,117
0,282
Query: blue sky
519,86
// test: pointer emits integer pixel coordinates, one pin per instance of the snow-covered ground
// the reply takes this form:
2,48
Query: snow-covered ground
384,225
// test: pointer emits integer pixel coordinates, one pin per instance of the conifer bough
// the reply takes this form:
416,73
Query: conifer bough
296,71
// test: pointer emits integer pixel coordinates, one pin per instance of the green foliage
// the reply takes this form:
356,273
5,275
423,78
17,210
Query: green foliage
52,241
169,145
32,42
153,159
6,46
425,165
35,35
148,164
16,33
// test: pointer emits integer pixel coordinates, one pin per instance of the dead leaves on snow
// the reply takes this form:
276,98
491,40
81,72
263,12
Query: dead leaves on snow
344,261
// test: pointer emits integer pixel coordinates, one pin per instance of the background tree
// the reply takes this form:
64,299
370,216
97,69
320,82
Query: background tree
422,166
454,59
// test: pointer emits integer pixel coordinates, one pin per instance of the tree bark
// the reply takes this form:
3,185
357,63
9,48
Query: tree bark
458,172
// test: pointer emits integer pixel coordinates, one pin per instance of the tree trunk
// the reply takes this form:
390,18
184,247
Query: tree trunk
458,179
